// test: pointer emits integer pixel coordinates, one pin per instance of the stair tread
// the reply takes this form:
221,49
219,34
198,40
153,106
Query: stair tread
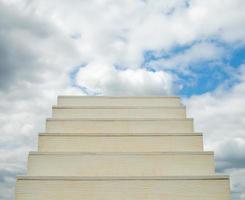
118,107
124,153
120,134
118,97
213,177
119,119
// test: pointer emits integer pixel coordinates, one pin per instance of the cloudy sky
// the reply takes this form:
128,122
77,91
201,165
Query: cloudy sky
191,48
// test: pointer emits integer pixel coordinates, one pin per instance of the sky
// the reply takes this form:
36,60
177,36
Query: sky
190,48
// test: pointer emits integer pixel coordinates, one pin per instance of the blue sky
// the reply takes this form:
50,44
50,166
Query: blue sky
207,76
194,49
203,75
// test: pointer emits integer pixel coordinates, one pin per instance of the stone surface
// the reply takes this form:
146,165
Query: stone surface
118,112
70,142
118,101
151,188
121,164
124,148
119,125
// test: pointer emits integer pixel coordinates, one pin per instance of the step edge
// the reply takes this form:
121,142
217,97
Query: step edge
110,178
119,119
118,97
120,134
33,153
118,107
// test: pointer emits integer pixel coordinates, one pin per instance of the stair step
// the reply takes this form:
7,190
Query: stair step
72,142
121,188
123,148
119,125
118,112
118,101
120,164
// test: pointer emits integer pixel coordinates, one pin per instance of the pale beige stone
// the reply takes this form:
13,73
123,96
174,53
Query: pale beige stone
117,101
121,164
117,112
124,148
119,126
70,142
150,188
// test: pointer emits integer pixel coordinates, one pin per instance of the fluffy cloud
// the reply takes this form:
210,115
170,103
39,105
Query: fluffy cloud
33,53
220,115
189,57
43,42
99,79
120,31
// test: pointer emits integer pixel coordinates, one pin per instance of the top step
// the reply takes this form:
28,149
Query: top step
166,101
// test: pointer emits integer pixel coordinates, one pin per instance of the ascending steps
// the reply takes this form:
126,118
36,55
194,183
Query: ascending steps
130,188
121,164
118,101
122,148
119,125
117,112
76,142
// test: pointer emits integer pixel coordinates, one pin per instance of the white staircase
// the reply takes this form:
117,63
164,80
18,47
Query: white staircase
122,148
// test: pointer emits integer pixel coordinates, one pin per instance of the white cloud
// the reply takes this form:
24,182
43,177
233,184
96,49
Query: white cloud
197,53
120,31
221,116
101,79
237,177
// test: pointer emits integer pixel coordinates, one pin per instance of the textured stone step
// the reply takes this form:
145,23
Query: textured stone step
68,142
119,126
118,112
117,101
130,188
121,164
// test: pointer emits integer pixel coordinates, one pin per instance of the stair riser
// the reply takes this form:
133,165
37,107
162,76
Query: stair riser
127,101
119,143
173,164
119,113
119,126
121,190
